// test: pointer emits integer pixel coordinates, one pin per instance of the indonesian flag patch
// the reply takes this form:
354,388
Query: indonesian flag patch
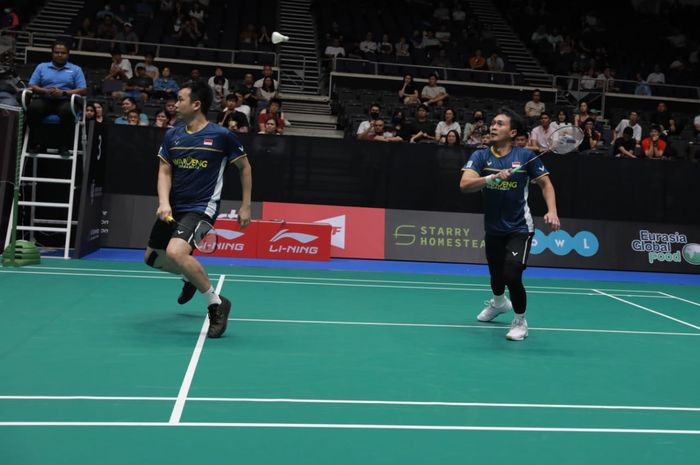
516,164
210,142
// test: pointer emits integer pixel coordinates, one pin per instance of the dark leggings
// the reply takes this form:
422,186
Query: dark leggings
507,259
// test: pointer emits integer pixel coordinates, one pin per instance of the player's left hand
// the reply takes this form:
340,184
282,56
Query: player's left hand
552,220
244,216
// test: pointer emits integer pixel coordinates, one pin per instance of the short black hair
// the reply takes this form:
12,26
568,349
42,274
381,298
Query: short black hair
375,104
628,131
276,100
655,127
589,120
233,97
545,113
131,99
201,91
59,42
516,121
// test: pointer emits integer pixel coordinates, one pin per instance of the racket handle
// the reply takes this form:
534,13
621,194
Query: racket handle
170,219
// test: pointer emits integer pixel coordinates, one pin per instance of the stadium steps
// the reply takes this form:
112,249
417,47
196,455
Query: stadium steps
309,116
52,21
298,59
508,42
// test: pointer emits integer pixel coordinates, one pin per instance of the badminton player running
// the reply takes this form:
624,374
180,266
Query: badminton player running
193,158
507,219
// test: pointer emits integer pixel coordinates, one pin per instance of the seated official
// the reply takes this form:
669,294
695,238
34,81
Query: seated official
53,83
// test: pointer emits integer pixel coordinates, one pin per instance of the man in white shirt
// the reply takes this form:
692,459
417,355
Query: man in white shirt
334,49
539,138
365,129
433,94
534,107
267,72
120,68
368,45
657,77
632,122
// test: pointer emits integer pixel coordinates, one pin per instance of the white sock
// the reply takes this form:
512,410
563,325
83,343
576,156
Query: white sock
499,300
519,316
211,296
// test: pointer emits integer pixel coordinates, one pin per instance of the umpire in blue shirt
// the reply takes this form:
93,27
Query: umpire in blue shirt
53,83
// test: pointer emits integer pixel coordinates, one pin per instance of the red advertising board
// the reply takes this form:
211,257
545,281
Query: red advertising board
357,232
272,239
294,241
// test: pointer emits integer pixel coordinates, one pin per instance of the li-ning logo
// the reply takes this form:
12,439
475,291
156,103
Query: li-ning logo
299,237
293,249
585,243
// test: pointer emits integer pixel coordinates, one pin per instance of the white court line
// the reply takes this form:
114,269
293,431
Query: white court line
192,367
650,310
351,426
429,287
268,400
313,278
429,325
680,298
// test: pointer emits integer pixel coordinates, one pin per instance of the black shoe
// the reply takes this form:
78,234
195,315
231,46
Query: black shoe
188,291
218,318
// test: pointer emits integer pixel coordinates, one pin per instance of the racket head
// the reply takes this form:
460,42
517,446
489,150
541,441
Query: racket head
566,139
205,237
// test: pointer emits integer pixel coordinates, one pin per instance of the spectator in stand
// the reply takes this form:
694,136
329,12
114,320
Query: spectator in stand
588,80
122,15
606,80
368,45
138,87
654,146
449,123
107,29
335,49
242,107
99,112
495,63
408,94
663,118
631,122
127,40
270,128
642,87
693,147
424,129
477,61
473,130
89,112
196,75
625,146
151,69
249,36
582,115
267,92
263,37
365,127
521,139
591,137
403,48
171,110
219,87
197,13
165,86
161,120
535,107
231,118
132,118
274,111
453,139
9,19
266,72
539,36
561,120
247,90
440,60
86,32
656,77
429,41
458,14
120,69
380,133
105,12
539,138
191,34
385,46
399,126
129,104
432,94
417,39
441,13
443,35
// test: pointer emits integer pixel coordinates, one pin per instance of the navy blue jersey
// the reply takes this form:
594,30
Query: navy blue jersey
506,209
198,161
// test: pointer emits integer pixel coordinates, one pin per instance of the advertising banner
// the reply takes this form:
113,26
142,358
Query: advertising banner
294,241
232,241
356,232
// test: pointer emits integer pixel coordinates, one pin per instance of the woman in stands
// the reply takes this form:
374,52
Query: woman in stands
408,94
219,88
449,123
561,120
453,139
582,115
266,92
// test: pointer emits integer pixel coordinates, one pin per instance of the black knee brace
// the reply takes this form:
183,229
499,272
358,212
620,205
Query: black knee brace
151,260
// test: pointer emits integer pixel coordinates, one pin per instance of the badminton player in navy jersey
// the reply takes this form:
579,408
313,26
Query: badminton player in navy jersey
507,220
193,158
